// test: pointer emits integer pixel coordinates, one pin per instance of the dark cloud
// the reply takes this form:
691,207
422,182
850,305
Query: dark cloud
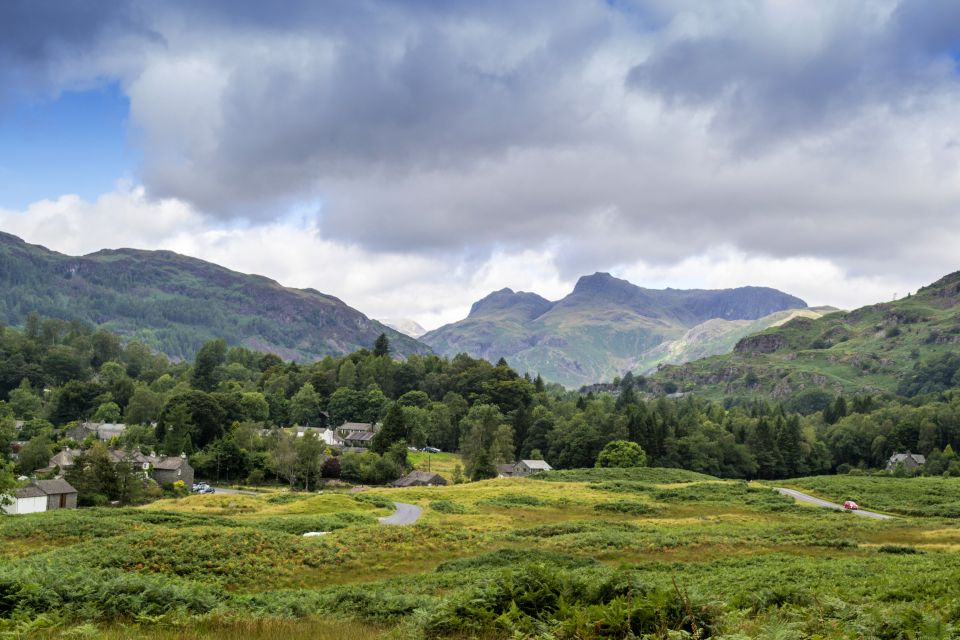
620,131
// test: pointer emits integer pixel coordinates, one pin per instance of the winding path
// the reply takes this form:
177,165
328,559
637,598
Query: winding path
793,493
406,514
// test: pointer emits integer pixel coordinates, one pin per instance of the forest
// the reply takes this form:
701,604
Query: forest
217,409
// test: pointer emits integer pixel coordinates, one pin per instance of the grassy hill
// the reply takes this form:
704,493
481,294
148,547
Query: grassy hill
175,303
604,328
907,346
590,554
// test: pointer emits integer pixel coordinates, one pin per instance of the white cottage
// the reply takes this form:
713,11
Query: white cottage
28,499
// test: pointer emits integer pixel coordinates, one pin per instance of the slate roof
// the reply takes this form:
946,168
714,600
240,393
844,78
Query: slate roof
420,478
539,465
903,457
359,436
356,426
29,492
54,487
170,464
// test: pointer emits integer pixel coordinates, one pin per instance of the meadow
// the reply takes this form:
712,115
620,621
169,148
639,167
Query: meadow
658,553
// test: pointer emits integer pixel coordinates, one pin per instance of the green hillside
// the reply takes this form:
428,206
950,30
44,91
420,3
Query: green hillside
604,328
174,303
907,347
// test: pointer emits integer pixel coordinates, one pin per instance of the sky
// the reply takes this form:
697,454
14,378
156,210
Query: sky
412,156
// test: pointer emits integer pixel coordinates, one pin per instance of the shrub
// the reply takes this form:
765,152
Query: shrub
631,507
448,506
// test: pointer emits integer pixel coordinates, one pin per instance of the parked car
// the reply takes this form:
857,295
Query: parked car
851,505
430,450
202,487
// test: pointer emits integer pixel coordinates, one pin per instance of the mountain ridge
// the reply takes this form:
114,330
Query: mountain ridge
603,327
174,303
904,347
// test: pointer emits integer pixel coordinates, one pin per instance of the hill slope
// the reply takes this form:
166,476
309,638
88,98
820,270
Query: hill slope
604,327
908,346
175,303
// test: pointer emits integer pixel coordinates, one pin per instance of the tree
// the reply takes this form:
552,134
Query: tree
144,406
255,406
107,412
98,479
381,348
305,405
310,451
394,429
25,403
35,454
486,440
622,454
8,482
283,458
347,375
211,355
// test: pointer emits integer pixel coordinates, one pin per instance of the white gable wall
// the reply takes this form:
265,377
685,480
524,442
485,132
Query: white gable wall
26,505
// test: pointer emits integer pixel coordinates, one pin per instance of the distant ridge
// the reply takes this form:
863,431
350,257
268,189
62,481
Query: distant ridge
175,303
603,328
908,347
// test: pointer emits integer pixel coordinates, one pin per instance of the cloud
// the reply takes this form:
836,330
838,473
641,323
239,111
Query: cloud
430,142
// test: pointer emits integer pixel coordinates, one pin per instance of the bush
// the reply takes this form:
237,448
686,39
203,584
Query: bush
627,506
448,506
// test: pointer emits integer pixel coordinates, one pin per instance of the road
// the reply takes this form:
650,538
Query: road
831,505
406,514
233,491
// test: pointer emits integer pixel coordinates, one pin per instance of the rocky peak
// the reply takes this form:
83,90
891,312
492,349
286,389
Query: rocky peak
525,305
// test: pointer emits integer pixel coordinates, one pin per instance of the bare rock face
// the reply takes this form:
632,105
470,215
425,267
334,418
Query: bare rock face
761,343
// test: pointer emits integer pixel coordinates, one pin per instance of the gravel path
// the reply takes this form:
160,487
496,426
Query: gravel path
406,514
831,505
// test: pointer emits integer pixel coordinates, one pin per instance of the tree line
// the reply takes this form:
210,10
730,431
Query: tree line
216,408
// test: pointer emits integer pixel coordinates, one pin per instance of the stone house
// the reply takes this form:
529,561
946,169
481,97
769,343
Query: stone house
420,479
171,469
60,493
910,461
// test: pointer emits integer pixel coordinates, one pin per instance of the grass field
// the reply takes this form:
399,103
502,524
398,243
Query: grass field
581,554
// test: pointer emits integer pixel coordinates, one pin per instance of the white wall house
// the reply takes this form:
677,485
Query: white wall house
26,500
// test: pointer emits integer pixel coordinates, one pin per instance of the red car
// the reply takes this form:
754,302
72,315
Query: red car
851,505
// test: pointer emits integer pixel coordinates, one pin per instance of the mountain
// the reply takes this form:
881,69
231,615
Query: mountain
405,326
174,303
603,328
717,336
907,347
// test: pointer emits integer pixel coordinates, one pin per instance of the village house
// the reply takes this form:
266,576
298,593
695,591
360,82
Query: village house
420,479
327,436
358,439
103,431
60,494
522,468
347,429
910,461
42,495
171,469
29,499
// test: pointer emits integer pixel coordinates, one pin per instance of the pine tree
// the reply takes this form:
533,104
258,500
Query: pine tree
381,347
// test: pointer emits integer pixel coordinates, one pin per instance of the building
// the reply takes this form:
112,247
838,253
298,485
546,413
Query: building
910,461
63,460
29,499
103,431
348,428
327,436
171,469
60,493
420,479
505,471
530,467
358,439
